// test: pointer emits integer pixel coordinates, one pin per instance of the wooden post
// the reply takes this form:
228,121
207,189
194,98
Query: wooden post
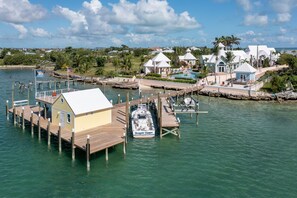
88,152
23,118
48,131
12,96
28,96
127,111
7,110
45,116
32,124
39,129
158,103
178,120
59,137
106,154
160,119
14,116
140,94
38,107
19,119
119,98
124,143
72,144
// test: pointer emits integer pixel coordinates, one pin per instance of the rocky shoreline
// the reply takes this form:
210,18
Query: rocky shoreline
280,97
259,96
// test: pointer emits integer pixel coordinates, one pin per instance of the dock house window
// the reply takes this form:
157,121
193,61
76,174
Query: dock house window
68,117
62,100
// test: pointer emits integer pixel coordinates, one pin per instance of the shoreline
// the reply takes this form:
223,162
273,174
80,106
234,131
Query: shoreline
7,67
211,91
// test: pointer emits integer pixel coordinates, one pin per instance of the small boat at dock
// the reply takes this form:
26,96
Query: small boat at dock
142,122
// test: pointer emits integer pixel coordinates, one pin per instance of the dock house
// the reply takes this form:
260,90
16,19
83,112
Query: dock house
82,110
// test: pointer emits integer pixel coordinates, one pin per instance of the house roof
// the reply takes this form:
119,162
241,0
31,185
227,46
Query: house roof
163,64
160,57
149,63
245,68
252,50
221,45
86,101
189,56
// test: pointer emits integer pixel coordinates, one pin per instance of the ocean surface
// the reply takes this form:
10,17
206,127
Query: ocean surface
239,149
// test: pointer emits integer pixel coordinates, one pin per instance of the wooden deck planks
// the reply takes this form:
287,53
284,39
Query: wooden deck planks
100,138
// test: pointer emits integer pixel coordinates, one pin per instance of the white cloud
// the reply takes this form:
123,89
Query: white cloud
78,21
21,29
94,6
283,17
20,11
283,9
39,32
282,30
151,16
256,20
245,4
117,41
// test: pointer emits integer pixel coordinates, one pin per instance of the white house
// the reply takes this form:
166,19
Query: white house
188,58
219,62
160,64
261,52
245,73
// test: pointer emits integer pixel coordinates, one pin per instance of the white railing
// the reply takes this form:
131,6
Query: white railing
52,93
20,103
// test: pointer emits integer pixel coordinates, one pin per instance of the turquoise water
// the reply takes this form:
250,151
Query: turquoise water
239,149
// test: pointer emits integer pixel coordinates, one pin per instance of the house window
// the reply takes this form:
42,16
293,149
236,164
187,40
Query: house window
62,100
68,117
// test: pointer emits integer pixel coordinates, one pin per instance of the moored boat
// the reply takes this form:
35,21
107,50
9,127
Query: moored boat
142,122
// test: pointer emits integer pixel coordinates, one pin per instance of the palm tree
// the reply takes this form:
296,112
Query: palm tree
215,51
234,40
229,59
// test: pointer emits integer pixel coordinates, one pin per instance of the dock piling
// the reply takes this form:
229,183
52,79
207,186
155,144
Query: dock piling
59,137
48,131
72,144
106,154
7,110
32,124
39,128
88,152
19,119
119,98
23,118
160,119
124,143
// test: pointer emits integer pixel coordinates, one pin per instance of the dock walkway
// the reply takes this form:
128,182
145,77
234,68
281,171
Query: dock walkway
100,137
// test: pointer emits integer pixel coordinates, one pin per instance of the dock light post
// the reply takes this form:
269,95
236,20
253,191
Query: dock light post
119,98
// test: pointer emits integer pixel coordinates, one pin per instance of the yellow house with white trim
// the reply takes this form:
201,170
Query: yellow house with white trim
81,110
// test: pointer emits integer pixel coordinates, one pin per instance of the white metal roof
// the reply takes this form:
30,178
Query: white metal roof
86,101
245,68
189,56
163,64
160,57
149,63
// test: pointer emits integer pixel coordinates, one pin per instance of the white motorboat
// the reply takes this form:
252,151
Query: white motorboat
142,122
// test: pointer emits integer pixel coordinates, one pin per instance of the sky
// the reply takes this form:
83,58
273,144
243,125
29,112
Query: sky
145,23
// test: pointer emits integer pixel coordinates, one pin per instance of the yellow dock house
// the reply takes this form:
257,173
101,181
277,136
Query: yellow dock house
82,110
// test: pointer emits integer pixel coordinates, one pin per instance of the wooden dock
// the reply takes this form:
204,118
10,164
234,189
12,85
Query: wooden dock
103,137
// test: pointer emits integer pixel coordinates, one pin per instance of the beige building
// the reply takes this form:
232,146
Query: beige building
82,110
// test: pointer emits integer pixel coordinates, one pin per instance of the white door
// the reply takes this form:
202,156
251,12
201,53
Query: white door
62,118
